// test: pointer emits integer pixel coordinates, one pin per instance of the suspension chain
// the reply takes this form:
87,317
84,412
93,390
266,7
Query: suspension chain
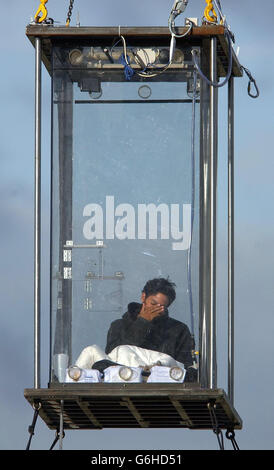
69,12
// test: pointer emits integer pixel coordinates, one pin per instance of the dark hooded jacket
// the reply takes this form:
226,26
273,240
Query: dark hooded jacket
163,334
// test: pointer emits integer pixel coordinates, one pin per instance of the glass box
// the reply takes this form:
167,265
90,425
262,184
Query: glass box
125,191
133,212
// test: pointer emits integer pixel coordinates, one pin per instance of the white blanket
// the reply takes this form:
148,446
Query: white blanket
126,355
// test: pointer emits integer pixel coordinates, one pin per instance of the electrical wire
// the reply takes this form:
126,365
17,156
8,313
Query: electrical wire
150,70
154,71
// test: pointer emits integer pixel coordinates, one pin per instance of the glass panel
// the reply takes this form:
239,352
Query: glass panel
125,189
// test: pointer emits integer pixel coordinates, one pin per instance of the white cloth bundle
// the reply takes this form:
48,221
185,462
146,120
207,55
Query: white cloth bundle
127,355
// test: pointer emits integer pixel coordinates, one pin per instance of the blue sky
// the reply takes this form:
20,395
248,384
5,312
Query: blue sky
251,23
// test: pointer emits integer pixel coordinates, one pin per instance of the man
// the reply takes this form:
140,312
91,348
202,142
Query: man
148,325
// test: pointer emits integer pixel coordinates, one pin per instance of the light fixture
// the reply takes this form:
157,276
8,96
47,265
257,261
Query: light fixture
176,373
125,373
164,374
74,372
76,57
122,374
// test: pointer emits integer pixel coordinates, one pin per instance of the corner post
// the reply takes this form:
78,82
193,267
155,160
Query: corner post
231,240
213,199
37,213
208,189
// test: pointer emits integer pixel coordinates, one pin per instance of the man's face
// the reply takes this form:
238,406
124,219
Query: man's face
155,299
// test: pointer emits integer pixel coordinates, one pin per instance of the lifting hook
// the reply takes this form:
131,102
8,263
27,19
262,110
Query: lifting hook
42,9
210,13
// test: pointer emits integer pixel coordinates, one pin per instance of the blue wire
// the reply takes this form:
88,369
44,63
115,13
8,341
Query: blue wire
128,71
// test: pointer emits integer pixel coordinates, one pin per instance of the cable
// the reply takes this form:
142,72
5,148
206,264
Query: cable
229,71
129,71
215,425
56,439
171,29
32,426
178,8
230,38
219,8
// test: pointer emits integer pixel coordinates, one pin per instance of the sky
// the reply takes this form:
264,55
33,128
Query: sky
251,23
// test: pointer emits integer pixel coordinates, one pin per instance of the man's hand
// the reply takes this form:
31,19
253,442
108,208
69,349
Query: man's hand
150,312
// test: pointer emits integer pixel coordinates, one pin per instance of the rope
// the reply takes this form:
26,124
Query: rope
32,426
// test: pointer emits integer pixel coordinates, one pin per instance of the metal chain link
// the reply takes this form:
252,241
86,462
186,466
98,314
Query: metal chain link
69,12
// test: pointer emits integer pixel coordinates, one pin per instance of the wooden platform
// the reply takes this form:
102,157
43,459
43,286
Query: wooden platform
98,406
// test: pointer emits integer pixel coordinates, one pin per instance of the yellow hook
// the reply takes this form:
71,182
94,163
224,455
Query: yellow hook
42,9
210,13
